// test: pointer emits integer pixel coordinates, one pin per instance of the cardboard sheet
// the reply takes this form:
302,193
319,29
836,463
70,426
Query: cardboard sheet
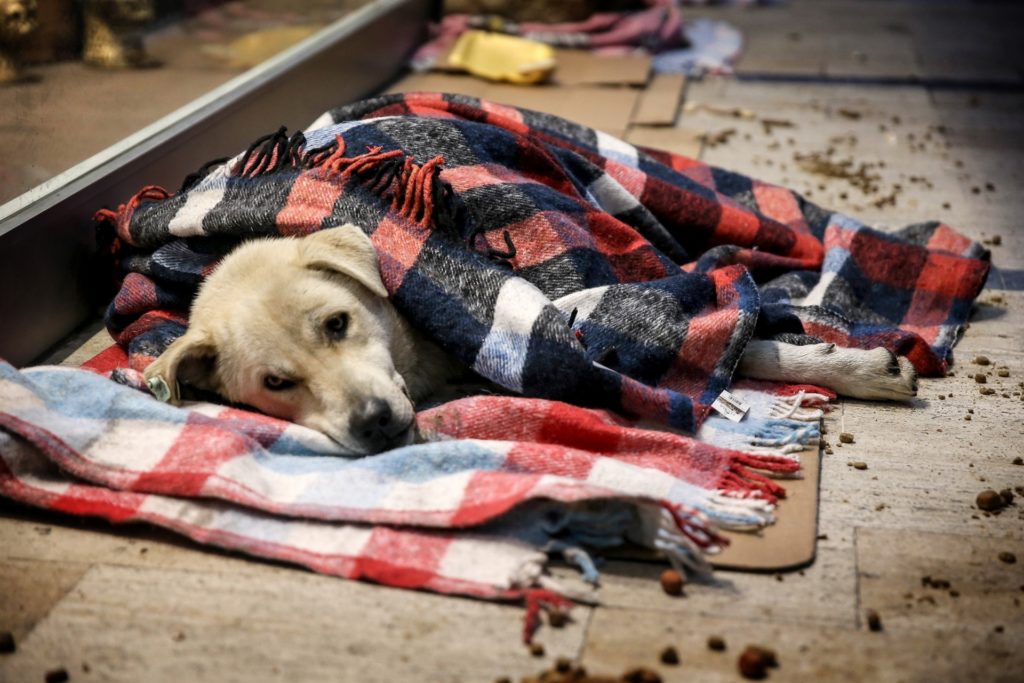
660,101
792,541
580,67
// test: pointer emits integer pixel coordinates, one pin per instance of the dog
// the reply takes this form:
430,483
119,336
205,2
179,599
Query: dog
302,329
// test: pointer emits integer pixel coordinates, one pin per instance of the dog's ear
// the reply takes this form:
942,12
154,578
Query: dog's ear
191,359
345,250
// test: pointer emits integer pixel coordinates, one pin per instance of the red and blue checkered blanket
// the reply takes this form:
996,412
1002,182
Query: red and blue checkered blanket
555,260
604,283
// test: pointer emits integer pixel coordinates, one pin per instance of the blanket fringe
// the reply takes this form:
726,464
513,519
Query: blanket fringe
121,217
801,406
741,481
271,153
537,599
416,191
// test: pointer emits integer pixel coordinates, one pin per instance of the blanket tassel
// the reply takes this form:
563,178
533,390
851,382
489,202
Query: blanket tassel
537,599
120,217
416,191
740,479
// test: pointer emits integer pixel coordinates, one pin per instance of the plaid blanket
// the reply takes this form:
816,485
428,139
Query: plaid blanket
610,284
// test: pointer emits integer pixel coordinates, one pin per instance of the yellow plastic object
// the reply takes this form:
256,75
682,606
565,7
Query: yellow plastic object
500,57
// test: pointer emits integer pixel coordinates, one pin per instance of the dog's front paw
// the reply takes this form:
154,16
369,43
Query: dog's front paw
877,374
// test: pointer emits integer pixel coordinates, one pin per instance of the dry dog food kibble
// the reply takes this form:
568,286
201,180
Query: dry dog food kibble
982,360
7,642
669,656
1007,557
536,649
845,437
641,675
57,676
989,500
672,582
874,621
980,378
558,618
755,661
716,643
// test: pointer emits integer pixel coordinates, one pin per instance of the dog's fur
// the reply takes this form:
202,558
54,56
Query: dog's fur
302,329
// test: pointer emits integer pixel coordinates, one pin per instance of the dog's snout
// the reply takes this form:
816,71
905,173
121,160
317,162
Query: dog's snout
375,425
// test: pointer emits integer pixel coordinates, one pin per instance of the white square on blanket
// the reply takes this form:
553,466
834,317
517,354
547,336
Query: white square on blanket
496,561
428,495
611,196
189,219
616,149
503,353
630,479
133,445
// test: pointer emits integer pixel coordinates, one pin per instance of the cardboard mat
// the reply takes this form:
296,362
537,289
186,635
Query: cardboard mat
792,541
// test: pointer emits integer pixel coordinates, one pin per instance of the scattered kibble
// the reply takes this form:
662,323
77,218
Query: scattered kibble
672,582
980,378
716,643
669,656
939,584
536,649
558,618
755,661
874,621
1018,460
641,675
845,437
989,500
1003,372
1007,557
57,676
981,360
859,465
7,645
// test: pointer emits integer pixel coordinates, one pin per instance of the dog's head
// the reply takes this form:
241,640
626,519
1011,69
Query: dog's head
300,329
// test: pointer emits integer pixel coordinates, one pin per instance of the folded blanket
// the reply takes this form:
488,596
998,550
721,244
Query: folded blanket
600,284
501,483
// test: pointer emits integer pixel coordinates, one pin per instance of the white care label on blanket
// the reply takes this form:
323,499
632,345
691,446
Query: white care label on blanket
730,406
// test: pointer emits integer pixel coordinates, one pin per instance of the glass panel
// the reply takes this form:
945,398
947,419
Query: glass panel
80,75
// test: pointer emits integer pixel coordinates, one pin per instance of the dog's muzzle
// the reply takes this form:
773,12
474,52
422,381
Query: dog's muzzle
376,428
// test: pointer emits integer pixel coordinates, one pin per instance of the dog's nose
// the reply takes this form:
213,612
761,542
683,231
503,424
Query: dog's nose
375,425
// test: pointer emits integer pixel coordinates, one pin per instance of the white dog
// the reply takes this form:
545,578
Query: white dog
302,329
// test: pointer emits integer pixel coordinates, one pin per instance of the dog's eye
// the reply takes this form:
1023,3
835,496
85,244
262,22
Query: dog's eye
336,326
275,383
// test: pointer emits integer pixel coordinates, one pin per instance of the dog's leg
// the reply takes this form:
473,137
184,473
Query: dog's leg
858,373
